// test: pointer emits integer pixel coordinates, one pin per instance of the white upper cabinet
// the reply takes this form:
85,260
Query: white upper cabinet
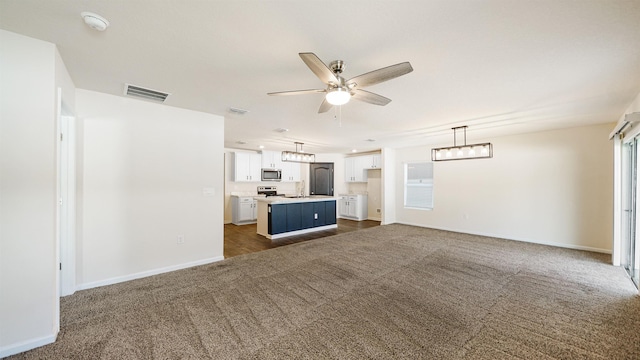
372,161
291,171
375,161
354,169
246,166
271,159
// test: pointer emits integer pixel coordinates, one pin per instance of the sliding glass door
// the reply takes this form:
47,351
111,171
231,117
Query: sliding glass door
630,257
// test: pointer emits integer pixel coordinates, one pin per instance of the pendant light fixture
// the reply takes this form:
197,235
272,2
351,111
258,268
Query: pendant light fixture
299,155
462,152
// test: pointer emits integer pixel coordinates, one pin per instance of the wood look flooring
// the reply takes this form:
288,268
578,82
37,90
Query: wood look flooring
243,239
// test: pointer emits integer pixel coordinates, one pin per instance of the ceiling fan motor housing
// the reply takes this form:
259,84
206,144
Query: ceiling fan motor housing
337,66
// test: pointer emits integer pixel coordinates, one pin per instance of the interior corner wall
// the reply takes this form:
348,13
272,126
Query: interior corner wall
553,187
65,83
27,193
149,174
389,185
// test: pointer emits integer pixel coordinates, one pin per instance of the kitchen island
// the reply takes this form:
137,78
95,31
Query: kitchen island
280,217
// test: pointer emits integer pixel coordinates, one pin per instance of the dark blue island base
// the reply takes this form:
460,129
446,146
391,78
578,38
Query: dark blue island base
287,218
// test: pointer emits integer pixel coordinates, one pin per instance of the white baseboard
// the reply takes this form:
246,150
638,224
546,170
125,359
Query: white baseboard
119,279
567,246
26,345
300,232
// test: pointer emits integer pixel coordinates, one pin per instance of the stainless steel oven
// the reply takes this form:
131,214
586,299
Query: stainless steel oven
271,175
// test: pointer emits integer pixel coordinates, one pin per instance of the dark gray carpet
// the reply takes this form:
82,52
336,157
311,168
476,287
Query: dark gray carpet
388,292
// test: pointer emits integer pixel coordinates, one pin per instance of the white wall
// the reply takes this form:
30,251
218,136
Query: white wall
27,193
143,172
64,81
553,187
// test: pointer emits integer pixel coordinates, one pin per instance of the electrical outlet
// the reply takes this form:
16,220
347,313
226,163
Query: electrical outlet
180,239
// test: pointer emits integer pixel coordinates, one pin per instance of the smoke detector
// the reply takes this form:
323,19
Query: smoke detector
94,21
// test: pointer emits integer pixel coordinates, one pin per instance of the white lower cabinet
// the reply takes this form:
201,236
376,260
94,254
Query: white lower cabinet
244,210
353,207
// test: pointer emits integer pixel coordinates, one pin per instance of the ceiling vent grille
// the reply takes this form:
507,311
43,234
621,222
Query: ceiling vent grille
238,111
143,93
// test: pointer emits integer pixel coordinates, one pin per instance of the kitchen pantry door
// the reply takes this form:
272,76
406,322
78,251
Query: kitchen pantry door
321,179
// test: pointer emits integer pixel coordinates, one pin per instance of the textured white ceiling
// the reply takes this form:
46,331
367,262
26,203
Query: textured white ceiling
500,67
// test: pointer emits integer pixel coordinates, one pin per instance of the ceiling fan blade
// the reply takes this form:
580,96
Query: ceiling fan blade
370,97
297,92
319,68
324,107
380,75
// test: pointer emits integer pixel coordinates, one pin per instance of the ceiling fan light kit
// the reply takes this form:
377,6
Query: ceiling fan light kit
338,96
339,91
462,152
298,156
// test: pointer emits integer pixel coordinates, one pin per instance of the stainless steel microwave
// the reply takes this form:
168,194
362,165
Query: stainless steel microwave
271,175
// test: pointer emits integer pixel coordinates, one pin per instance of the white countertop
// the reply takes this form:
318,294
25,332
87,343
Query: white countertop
244,194
285,200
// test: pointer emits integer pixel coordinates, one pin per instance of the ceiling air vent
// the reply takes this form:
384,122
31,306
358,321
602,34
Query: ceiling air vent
238,111
143,93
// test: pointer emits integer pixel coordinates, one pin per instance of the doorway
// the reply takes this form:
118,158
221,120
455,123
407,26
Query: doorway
66,204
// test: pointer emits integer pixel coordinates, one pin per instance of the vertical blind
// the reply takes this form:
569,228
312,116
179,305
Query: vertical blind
418,185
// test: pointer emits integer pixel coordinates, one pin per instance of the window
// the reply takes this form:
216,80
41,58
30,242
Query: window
418,185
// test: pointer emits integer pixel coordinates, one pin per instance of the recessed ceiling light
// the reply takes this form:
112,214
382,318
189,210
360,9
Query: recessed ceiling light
281,130
354,150
261,146
94,21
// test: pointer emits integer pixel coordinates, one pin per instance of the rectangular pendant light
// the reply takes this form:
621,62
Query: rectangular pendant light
462,152
298,155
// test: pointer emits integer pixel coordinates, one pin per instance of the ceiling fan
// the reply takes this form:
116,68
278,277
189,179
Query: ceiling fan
339,91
